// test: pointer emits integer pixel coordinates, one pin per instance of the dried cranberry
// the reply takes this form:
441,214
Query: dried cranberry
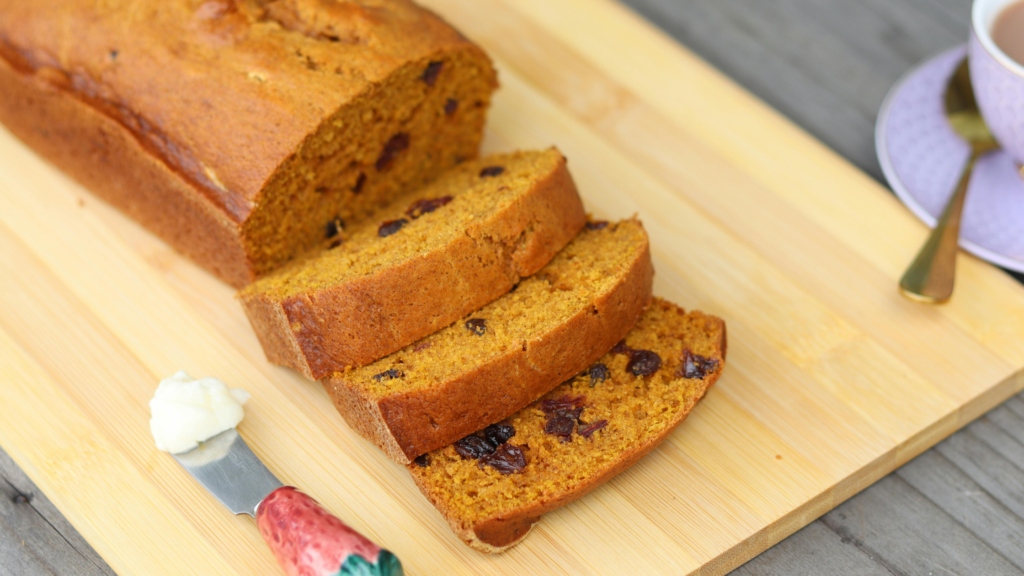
398,143
334,244
561,426
621,348
589,430
563,406
426,206
431,73
390,227
507,459
389,375
598,374
422,461
643,363
334,227
696,366
492,171
422,346
360,182
451,106
597,224
477,326
498,434
472,447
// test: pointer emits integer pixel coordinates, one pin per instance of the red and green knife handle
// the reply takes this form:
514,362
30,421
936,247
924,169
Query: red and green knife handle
307,540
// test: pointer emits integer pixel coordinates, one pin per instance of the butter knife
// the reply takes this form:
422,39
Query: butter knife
305,538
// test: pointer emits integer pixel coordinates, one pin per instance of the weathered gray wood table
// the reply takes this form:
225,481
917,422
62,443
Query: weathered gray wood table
827,64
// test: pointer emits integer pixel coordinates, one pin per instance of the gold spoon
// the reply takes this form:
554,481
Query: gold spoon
930,278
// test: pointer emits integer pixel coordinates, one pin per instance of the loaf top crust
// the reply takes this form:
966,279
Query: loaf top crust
223,91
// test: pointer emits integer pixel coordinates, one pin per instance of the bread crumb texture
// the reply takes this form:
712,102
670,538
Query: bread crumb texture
417,265
410,226
624,415
396,136
589,266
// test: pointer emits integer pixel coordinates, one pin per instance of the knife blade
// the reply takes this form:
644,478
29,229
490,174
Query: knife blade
227,468
305,538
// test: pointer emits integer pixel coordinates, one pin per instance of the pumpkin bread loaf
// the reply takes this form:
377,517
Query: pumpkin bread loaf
418,265
494,485
238,129
500,358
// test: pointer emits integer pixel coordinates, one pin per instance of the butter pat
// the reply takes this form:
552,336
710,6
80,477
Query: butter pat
186,411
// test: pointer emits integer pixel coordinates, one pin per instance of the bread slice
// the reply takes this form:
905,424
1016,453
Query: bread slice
236,130
418,265
509,353
579,435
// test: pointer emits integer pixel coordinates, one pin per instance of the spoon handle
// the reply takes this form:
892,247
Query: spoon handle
931,276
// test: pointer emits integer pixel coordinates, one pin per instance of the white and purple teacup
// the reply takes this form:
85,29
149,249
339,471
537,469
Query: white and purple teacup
997,79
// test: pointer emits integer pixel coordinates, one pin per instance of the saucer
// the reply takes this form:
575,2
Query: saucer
922,159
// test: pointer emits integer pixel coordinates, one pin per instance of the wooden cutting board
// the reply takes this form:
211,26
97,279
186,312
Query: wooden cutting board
833,379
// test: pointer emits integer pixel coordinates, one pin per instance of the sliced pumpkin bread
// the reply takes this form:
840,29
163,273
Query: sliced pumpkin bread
417,265
494,485
500,358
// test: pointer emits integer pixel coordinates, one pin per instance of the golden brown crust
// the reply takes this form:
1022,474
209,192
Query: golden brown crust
270,322
418,422
498,534
101,154
192,116
361,320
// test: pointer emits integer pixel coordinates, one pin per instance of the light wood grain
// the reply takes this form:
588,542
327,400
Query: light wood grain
113,505
831,382
860,49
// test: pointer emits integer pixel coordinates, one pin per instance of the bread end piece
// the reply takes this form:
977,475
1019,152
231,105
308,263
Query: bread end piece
495,528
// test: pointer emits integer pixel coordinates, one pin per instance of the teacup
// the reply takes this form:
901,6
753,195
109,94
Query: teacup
997,79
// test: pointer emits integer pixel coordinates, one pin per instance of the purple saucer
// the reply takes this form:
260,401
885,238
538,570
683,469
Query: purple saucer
922,158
